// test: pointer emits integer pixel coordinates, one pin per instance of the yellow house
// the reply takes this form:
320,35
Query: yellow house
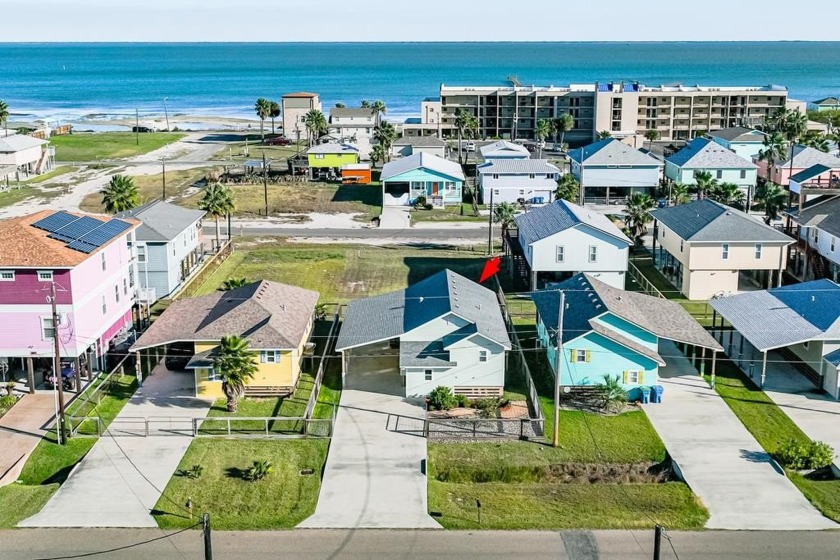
327,159
275,318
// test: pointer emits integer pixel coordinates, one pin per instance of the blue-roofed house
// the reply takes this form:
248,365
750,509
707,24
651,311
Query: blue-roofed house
561,239
610,168
444,330
707,249
704,155
797,323
610,332
422,174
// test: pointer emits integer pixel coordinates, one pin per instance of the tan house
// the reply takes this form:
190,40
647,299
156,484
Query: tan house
707,249
295,107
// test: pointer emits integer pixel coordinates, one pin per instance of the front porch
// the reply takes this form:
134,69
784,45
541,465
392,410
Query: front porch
438,194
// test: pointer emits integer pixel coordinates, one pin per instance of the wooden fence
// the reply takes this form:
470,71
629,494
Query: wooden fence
322,366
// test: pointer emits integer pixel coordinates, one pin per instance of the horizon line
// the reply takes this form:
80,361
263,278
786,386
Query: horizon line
421,42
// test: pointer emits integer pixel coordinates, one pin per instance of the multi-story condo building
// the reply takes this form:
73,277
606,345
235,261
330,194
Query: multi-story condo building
677,112
295,107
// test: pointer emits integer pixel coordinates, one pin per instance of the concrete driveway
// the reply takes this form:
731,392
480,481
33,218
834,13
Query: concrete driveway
720,460
374,478
21,429
120,480
395,217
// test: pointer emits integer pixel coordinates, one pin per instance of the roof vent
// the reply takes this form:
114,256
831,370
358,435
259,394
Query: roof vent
478,307
619,298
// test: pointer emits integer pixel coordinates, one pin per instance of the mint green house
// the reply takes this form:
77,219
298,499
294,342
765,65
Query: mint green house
405,180
325,160
609,332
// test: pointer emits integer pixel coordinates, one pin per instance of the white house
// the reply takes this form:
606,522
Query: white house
169,246
444,330
504,150
703,155
22,155
512,180
562,239
410,145
610,168
745,142
354,126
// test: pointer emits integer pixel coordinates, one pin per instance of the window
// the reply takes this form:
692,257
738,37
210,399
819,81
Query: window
47,328
725,253
496,192
521,192
805,344
758,250
579,356
833,242
141,253
45,275
632,376
495,175
104,305
743,174
720,174
681,245
125,286
270,357
104,265
427,374
531,175
482,355
593,253
117,292
319,156
7,275
560,254
211,375
816,235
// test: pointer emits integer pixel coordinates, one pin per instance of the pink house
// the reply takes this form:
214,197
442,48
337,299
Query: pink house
89,259
803,158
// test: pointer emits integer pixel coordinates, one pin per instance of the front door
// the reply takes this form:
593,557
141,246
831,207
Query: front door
435,189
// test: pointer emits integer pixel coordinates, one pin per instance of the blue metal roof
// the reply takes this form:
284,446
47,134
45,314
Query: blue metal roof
818,302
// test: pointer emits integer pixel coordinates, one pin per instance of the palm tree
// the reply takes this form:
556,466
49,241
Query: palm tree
729,194
775,122
542,131
316,124
815,139
236,364
638,215
232,283
563,124
4,116
604,134
120,194
651,135
365,104
274,112
680,193
379,108
467,125
775,148
568,188
377,154
217,201
263,110
704,182
504,213
384,134
773,198
340,105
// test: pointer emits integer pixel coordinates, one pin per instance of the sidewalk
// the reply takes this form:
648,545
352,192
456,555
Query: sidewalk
20,431
720,460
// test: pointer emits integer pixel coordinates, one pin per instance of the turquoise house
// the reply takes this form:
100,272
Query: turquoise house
405,180
611,332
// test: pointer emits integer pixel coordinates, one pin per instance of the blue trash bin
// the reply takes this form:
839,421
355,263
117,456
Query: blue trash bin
657,393
645,395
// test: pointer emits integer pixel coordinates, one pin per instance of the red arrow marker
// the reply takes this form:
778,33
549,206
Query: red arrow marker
491,267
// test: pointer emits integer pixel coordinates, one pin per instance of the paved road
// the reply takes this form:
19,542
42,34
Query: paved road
105,489
396,544
374,477
720,460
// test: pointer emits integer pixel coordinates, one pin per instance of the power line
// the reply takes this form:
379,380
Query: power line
117,549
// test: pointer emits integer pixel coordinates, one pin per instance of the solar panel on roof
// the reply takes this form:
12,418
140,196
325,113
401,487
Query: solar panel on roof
55,221
82,246
76,229
105,233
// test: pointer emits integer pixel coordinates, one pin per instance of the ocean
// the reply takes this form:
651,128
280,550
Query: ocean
75,82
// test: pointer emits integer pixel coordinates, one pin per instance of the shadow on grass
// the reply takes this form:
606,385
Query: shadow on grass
365,194
235,472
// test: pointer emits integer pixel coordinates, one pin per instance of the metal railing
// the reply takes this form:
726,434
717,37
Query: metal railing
467,428
646,285
322,366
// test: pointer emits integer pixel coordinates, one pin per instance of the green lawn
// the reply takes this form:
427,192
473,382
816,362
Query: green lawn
84,146
341,272
566,506
58,171
459,213
17,502
150,187
700,310
772,427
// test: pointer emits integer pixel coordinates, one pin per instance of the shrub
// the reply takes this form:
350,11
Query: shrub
463,401
194,471
261,469
612,392
420,202
486,407
7,402
821,455
805,456
441,398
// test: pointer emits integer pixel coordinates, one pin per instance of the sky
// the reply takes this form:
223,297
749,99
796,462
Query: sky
412,20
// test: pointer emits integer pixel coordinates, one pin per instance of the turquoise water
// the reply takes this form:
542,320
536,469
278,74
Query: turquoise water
73,80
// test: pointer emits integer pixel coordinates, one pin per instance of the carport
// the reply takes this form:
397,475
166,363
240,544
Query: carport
374,367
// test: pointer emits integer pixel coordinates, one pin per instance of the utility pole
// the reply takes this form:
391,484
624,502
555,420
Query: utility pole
137,126
208,544
657,542
558,360
57,378
163,163
265,183
490,221
166,112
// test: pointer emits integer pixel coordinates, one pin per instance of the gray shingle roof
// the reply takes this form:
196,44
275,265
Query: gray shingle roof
351,112
269,314
588,298
707,220
823,214
518,167
390,315
783,316
805,157
831,101
561,215
702,153
422,160
424,354
17,142
420,142
739,134
503,148
161,221
612,152
333,148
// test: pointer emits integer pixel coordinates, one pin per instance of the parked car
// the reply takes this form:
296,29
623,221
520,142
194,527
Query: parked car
278,141
142,129
469,147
